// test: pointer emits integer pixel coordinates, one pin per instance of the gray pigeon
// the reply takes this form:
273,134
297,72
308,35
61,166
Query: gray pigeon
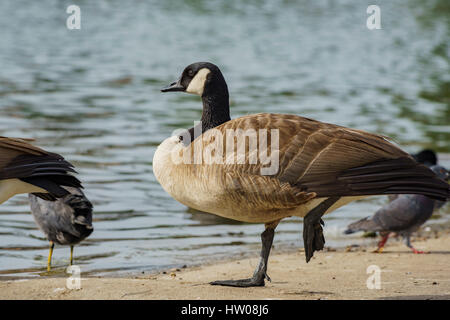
403,215
65,221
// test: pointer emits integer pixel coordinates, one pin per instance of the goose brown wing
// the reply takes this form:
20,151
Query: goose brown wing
263,192
337,161
331,160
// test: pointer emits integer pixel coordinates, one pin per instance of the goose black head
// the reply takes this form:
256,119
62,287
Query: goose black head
200,78
426,156
206,80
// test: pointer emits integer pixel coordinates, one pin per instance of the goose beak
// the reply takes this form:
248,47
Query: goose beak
174,86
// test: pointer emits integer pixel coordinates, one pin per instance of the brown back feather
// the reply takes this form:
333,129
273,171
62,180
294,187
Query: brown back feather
316,156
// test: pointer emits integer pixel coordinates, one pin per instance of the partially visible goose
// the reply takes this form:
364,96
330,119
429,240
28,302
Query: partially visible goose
427,156
66,221
321,167
25,168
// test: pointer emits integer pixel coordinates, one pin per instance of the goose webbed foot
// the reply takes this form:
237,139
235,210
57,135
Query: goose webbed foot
260,273
312,228
313,238
255,281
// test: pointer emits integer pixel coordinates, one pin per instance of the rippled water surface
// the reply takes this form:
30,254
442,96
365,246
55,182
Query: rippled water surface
93,96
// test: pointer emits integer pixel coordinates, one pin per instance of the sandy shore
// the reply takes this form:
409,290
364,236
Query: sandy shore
331,274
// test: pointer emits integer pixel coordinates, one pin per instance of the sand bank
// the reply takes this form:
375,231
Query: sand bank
331,274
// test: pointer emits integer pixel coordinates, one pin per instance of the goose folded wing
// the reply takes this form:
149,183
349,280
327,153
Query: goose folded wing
263,192
336,161
331,160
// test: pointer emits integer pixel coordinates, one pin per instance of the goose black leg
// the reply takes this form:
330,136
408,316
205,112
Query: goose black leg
260,273
312,227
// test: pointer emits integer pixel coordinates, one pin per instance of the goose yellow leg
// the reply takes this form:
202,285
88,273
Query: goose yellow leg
50,253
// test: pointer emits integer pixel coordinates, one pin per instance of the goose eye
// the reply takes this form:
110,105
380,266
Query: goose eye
190,72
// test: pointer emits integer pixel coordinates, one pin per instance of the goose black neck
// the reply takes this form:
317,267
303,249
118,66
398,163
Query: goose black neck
216,110
216,106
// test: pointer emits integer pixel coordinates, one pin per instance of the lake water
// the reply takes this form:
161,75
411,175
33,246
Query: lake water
93,95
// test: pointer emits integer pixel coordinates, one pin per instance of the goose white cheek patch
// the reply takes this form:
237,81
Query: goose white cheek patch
197,84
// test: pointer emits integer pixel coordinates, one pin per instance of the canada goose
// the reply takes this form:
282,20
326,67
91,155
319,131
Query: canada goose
319,167
25,168
66,221
403,215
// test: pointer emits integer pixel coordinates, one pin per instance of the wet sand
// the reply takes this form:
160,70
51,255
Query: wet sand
331,274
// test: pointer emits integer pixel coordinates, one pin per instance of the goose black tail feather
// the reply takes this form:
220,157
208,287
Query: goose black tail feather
393,176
